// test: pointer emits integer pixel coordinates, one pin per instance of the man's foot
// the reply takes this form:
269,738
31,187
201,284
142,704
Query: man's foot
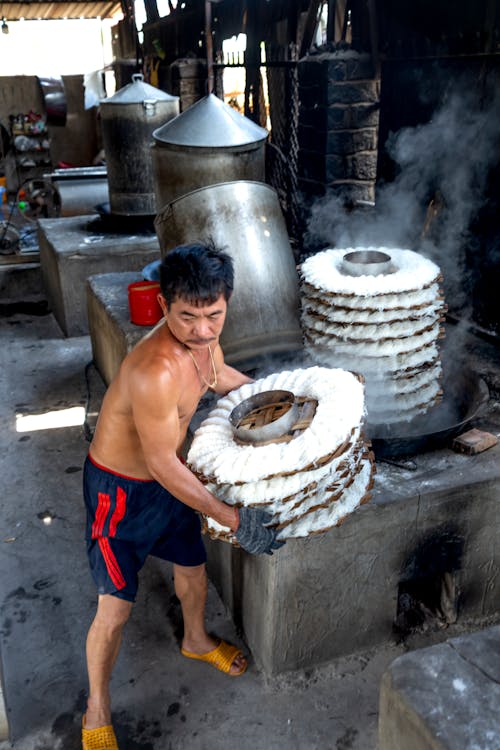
97,715
223,656
98,738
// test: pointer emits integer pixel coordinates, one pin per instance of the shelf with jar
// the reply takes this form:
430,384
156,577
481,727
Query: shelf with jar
30,143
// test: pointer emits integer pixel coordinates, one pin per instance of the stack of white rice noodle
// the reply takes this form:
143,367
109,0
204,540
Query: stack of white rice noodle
309,484
386,327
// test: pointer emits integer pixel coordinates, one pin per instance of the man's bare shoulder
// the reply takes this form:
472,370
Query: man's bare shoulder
156,359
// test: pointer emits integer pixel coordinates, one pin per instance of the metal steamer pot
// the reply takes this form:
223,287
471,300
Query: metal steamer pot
245,219
207,144
128,120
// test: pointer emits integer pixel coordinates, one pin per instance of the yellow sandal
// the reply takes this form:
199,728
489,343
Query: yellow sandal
221,657
102,738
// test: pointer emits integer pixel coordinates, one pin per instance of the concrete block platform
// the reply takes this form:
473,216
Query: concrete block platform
71,251
111,332
19,281
422,556
340,592
445,697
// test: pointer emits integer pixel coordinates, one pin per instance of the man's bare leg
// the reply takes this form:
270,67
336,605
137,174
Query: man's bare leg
191,590
103,645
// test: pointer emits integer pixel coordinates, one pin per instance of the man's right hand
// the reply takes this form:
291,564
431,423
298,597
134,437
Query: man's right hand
253,533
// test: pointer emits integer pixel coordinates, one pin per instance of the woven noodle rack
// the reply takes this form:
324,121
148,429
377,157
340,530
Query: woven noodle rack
268,413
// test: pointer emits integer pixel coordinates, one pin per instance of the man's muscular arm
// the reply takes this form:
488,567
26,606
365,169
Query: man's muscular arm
155,397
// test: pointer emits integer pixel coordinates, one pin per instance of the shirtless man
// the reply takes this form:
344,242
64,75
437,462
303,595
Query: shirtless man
141,499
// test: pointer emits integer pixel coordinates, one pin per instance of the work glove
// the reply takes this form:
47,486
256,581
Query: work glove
254,534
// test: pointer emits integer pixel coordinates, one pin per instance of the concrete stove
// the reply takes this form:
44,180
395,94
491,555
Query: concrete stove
341,592
76,247
111,332
420,557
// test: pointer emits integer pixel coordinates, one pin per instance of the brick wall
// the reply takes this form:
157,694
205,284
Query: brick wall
338,125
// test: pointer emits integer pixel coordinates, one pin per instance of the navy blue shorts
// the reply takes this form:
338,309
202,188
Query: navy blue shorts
129,519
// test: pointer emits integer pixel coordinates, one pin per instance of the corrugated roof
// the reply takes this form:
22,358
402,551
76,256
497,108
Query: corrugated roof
44,9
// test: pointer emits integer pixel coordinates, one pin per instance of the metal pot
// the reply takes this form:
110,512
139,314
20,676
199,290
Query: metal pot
128,120
207,144
249,418
367,263
244,218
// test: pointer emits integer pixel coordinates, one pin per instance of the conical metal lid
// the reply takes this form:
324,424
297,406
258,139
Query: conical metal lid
137,92
210,123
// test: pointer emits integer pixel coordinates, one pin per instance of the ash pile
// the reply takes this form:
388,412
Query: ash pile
311,476
378,312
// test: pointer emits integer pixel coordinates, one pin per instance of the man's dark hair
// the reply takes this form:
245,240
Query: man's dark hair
198,273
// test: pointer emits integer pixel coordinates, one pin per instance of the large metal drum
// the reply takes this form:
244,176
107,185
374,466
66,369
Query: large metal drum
80,189
246,220
128,120
207,144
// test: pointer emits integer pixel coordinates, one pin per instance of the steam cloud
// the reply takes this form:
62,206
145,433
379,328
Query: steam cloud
446,160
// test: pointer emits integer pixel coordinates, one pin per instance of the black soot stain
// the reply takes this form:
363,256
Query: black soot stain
81,702
125,739
21,615
175,617
63,723
137,734
173,709
67,730
345,742
43,583
20,593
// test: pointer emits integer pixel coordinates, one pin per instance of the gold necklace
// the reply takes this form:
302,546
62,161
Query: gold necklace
202,377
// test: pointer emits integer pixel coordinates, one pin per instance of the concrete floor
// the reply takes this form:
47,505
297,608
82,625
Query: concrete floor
47,599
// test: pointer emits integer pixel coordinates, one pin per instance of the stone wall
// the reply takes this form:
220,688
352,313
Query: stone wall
338,125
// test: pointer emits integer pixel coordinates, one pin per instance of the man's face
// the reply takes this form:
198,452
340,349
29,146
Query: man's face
195,327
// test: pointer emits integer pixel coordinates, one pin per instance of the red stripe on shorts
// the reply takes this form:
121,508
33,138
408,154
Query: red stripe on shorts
112,564
119,511
103,503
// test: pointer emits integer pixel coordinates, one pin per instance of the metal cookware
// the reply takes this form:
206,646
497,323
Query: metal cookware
264,416
245,219
80,189
54,99
128,120
367,263
207,144
465,395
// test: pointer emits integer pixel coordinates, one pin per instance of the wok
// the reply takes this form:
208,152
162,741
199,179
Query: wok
465,394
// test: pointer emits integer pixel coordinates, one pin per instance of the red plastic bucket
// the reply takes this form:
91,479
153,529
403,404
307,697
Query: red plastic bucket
143,303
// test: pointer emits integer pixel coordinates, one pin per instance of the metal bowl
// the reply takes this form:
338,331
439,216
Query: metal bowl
367,263
248,430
